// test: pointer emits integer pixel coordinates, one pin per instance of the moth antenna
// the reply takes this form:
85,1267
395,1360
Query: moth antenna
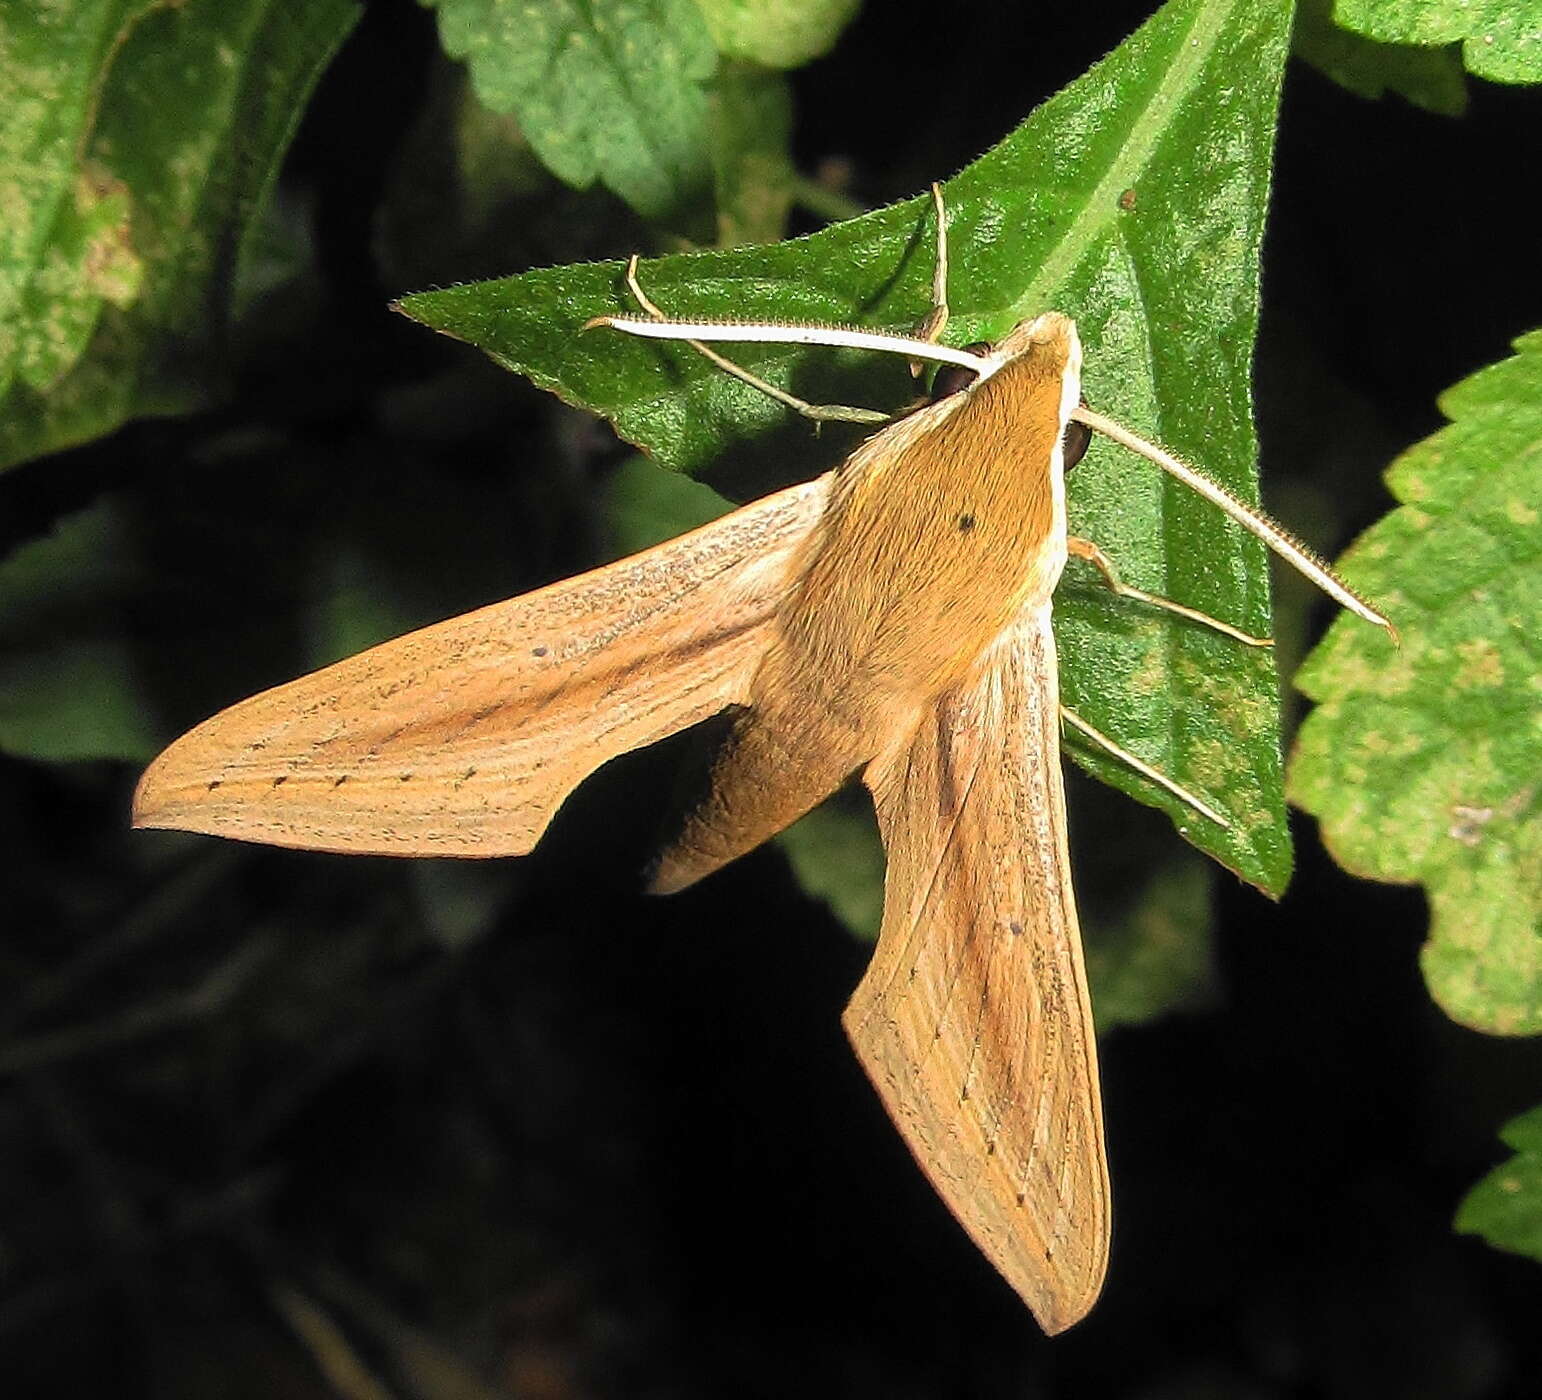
1298,555
818,412
801,333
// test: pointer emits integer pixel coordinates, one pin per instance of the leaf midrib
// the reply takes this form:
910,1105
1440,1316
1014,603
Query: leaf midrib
1194,50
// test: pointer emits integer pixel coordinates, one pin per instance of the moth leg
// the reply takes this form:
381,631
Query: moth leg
1253,520
819,412
1145,769
936,319
1085,549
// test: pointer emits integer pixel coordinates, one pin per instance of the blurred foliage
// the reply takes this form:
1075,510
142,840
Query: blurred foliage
137,140
1506,1206
276,1124
1429,77
608,90
776,33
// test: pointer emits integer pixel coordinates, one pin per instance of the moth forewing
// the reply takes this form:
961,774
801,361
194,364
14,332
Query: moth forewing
973,1020
462,739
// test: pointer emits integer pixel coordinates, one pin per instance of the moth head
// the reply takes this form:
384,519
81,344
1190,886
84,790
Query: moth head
1053,334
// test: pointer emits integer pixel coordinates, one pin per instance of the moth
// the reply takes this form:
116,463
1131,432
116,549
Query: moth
891,619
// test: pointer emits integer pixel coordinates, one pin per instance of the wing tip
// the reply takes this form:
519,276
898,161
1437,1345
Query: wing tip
148,807
1062,1311
170,791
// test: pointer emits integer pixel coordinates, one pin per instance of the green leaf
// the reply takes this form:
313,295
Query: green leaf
1501,39
777,33
1422,762
136,144
1431,78
1506,1206
1109,203
607,90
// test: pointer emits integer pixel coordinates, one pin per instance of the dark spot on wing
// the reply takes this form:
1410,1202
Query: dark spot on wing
966,522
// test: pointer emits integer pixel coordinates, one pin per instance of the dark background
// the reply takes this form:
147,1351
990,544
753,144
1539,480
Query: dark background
597,1145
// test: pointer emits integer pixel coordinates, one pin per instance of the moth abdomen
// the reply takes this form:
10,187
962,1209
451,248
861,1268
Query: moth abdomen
775,766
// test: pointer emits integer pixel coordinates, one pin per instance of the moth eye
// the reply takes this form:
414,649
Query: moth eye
949,379
1073,445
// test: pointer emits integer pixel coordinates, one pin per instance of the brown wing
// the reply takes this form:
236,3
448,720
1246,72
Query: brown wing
463,738
973,1020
